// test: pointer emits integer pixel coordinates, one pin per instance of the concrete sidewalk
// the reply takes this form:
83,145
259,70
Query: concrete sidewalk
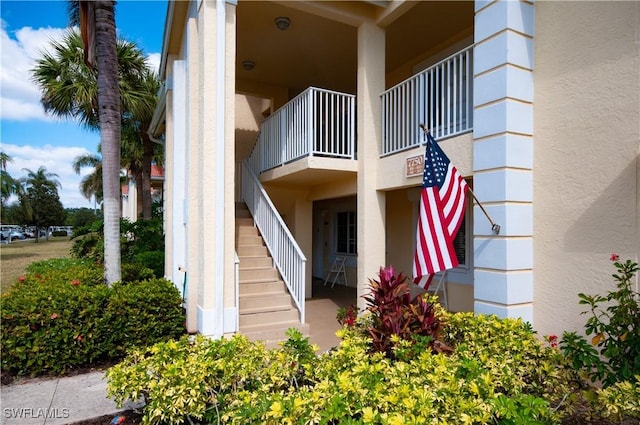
57,401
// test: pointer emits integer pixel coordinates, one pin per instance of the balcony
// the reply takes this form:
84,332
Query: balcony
439,97
312,138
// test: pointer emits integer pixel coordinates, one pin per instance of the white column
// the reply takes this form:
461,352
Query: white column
371,202
215,183
192,172
178,175
228,82
503,157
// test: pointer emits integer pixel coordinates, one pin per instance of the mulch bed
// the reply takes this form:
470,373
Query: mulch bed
128,417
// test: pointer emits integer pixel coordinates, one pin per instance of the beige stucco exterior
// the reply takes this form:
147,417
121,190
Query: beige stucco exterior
587,139
573,134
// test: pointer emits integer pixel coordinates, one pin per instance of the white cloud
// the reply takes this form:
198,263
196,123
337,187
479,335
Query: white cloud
154,61
20,97
56,159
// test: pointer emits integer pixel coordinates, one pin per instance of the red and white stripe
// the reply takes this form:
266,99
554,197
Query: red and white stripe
441,212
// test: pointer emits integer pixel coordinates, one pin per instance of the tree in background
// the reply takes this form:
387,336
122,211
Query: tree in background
91,184
73,86
81,217
8,185
75,96
40,202
139,151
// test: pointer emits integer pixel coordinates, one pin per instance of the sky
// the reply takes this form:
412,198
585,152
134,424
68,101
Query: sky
31,137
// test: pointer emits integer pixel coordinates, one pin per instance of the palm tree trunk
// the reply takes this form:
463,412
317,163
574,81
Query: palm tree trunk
137,177
109,115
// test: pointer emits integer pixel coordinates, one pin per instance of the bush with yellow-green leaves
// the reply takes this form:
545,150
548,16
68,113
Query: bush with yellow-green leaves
498,373
404,361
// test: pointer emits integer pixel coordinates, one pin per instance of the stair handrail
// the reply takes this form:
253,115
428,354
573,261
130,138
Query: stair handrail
285,251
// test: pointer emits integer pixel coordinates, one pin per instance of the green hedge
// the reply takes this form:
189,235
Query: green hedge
60,316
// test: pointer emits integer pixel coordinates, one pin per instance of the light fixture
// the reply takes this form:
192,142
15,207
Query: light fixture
248,65
282,23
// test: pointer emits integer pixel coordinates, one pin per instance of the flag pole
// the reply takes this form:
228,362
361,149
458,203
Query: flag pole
494,226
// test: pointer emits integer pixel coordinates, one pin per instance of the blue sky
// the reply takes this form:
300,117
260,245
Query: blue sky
27,134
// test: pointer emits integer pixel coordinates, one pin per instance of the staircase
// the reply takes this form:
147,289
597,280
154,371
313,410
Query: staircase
266,308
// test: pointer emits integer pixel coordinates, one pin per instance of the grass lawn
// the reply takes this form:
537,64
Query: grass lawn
16,256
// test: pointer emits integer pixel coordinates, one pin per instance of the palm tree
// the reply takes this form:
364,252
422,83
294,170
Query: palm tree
40,178
8,185
137,130
39,200
70,89
68,96
91,184
99,18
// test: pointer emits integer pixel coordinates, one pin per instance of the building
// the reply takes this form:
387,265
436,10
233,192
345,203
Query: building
314,107
129,192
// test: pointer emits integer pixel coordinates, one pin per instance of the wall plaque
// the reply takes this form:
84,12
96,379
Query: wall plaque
415,166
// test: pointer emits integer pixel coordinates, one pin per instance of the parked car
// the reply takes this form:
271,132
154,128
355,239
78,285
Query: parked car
15,234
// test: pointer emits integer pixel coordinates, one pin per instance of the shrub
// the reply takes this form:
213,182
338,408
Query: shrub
134,272
620,400
142,313
196,377
60,317
395,315
152,260
89,242
614,324
517,381
142,246
57,269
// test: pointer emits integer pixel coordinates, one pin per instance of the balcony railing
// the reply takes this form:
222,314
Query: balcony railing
439,97
317,122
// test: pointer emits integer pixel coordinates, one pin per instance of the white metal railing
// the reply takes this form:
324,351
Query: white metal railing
286,254
317,122
439,97
236,281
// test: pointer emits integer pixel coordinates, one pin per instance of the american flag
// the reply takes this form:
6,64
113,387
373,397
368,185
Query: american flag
442,205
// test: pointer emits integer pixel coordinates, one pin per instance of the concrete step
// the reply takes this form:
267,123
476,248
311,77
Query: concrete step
244,221
242,230
249,240
259,303
243,213
269,317
272,334
273,287
252,251
255,262
256,275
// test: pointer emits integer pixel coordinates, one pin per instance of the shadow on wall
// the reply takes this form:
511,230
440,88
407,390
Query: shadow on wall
609,223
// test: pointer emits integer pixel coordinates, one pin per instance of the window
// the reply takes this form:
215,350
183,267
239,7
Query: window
463,246
460,241
346,232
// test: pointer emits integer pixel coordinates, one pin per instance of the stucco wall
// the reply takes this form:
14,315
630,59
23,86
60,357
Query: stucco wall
586,141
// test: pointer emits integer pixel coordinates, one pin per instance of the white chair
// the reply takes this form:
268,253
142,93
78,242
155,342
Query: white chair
337,269
441,286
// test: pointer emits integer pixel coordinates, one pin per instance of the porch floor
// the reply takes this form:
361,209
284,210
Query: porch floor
321,311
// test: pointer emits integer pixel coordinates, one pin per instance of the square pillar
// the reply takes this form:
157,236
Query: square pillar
370,202
503,158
